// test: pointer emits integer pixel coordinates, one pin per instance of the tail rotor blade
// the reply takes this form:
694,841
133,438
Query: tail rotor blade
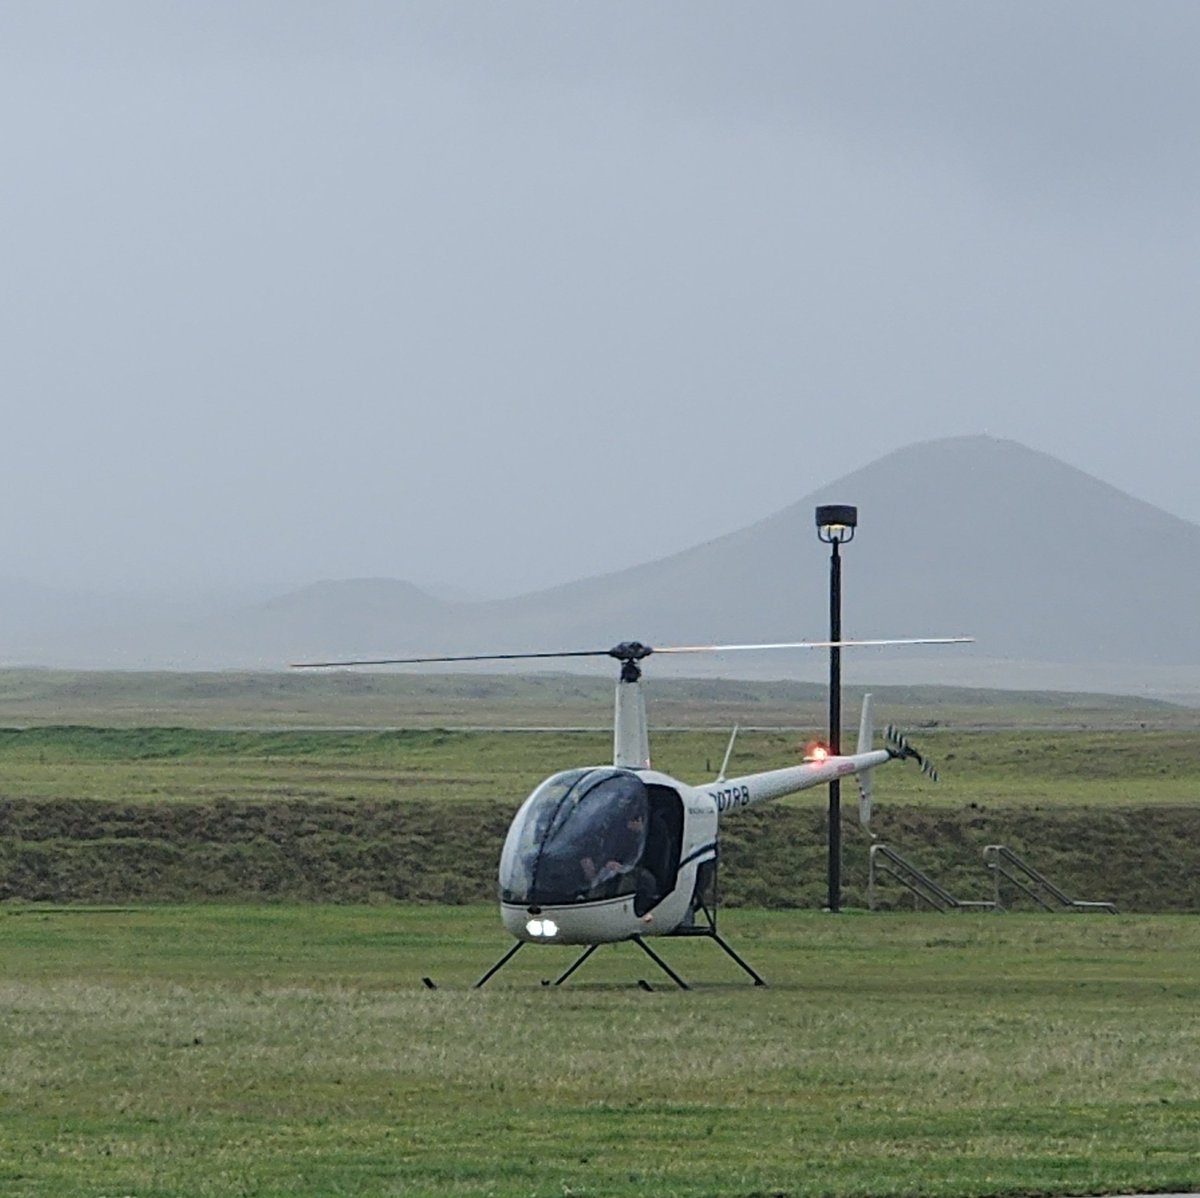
899,746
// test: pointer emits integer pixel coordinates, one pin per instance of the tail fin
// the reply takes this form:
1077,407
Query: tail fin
866,734
866,727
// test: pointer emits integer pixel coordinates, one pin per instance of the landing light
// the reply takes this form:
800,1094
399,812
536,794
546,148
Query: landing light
542,927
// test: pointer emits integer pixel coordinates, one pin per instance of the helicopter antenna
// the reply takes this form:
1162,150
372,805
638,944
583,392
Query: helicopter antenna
728,753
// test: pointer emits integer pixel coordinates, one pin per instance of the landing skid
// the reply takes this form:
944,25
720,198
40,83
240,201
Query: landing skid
702,921
710,932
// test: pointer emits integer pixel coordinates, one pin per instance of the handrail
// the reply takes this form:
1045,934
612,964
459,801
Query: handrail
998,856
920,883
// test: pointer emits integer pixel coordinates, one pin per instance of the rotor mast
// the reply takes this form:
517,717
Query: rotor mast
631,737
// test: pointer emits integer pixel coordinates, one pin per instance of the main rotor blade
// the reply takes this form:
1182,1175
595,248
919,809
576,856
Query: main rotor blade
627,650
922,640
411,661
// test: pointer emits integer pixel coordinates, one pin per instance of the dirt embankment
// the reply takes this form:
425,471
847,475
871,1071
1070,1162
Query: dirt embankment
1143,859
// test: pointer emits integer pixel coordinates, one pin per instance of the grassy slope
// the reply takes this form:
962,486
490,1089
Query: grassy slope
292,1051
107,815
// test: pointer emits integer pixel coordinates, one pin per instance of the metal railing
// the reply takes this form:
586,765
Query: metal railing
1006,865
884,860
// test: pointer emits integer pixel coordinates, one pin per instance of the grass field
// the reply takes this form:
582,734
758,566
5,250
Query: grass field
1006,767
284,1049
368,699
291,1050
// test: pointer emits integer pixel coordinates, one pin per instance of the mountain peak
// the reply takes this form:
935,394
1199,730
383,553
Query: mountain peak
1065,581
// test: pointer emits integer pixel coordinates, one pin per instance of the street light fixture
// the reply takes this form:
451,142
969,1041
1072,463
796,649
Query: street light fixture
836,523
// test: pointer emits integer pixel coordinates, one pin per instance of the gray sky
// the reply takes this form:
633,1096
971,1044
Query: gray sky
504,294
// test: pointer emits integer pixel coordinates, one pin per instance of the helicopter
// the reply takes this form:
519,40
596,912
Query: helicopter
610,853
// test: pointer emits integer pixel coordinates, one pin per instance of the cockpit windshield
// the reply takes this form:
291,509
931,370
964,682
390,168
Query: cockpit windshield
577,838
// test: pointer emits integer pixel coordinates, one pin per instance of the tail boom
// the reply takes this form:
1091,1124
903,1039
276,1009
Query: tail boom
753,789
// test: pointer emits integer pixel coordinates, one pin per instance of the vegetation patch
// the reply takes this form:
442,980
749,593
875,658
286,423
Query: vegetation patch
1143,859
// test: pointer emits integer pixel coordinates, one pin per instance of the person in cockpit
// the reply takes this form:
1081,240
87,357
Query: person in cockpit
624,850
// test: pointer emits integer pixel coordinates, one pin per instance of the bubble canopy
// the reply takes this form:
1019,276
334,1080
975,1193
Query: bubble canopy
579,837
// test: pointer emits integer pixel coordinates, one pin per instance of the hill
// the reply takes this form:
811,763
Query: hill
1067,582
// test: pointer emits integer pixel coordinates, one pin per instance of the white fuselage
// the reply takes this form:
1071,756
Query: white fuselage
614,918
609,919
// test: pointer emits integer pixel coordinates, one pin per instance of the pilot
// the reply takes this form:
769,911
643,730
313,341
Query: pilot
624,849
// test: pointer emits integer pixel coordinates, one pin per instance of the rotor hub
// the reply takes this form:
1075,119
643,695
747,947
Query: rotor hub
629,653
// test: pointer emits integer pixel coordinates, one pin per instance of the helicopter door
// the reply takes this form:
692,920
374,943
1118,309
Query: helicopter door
664,841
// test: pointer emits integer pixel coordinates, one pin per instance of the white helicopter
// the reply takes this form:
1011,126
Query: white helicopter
618,852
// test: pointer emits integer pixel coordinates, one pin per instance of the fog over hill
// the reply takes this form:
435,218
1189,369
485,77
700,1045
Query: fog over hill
1065,581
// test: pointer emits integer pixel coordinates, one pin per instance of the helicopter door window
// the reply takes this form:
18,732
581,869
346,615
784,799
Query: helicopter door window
596,840
664,837
523,844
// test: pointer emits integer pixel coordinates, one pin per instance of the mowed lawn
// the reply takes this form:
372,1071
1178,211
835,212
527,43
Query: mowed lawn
293,1050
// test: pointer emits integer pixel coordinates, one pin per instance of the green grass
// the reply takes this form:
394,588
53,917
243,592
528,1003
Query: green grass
277,1050
1152,766
171,764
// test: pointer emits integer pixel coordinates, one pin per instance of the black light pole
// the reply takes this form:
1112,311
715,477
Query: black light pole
836,523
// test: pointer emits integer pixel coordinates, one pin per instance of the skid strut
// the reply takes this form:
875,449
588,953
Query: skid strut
583,956
758,981
661,963
508,956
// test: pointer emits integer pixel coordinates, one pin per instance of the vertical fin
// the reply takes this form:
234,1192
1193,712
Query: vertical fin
866,727
866,734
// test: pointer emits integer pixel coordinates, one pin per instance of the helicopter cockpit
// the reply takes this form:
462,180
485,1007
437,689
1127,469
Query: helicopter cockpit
579,837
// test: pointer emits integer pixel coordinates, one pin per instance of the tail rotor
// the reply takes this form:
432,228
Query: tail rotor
899,747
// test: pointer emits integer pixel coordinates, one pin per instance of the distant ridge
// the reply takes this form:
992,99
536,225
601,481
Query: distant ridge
1066,581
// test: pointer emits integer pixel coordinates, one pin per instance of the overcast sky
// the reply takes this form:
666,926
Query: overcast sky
499,295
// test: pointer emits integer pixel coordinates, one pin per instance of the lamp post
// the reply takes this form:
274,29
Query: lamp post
836,523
